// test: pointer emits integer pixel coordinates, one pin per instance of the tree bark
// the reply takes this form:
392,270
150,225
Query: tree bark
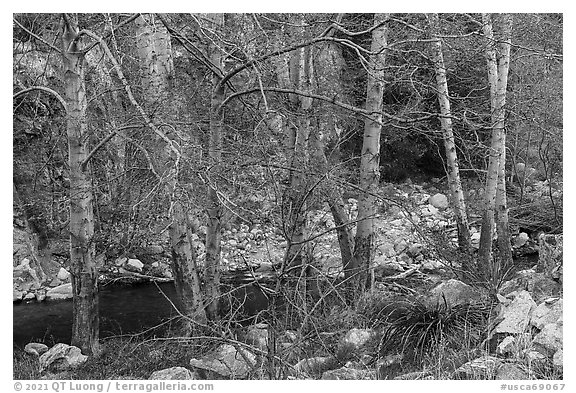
214,210
155,53
370,159
498,78
457,194
502,221
82,252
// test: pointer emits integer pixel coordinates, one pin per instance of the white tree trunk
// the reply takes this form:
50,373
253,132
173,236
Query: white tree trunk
155,53
457,194
214,210
498,67
85,324
370,160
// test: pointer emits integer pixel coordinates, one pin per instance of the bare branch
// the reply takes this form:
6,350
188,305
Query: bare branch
340,104
104,141
45,89
37,36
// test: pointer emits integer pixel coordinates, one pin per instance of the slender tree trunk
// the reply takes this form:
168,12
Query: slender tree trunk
502,222
155,53
82,251
497,78
214,210
457,194
370,160
296,252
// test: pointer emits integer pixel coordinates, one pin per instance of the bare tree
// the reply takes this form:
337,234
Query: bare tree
457,194
155,53
82,251
498,63
370,160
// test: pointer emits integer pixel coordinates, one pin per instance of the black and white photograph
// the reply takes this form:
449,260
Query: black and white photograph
287,196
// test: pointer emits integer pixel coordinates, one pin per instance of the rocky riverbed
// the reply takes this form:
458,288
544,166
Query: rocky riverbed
413,215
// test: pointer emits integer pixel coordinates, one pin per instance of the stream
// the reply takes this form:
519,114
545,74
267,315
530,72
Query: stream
123,310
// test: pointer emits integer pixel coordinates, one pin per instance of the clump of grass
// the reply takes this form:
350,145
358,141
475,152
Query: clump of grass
421,329
25,366
122,358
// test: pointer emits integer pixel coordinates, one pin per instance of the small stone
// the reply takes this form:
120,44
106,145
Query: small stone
134,265
481,368
454,292
439,201
558,358
549,340
521,239
29,296
226,361
506,346
431,265
62,357
545,313
63,274
61,292
534,358
36,349
510,371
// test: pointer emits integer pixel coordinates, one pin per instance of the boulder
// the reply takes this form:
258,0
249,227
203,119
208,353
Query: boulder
354,342
60,292
17,295
549,340
431,265
134,265
516,315
547,312
481,368
348,373
29,296
63,274
439,201
475,240
61,357
173,373
510,371
384,267
506,346
534,358
539,285
154,249
315,366
521,239
225,362
558,358
36,349
454,292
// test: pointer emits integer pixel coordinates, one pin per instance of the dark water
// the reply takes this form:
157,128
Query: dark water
123,310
